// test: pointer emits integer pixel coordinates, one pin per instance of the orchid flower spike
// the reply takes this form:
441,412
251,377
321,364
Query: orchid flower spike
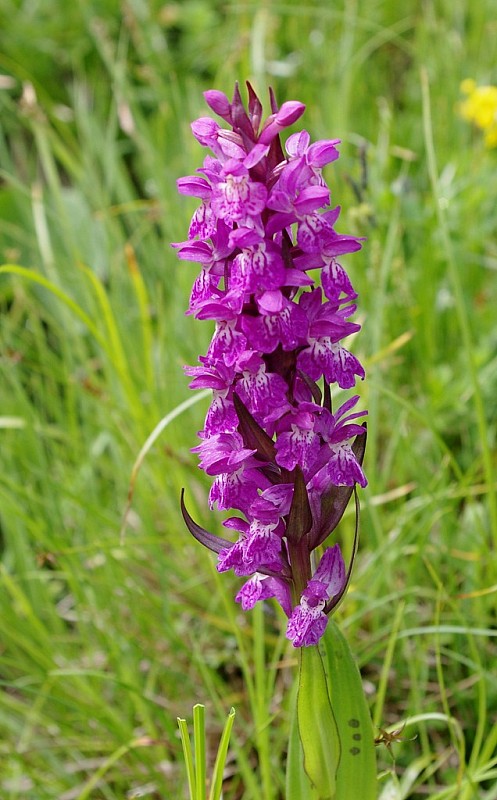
277,452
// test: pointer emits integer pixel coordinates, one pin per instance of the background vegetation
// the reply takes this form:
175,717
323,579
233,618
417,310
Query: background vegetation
105,639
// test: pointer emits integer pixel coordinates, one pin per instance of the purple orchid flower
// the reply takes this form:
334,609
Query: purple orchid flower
277,452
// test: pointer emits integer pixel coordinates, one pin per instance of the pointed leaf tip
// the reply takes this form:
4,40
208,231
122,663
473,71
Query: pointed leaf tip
209,540
254,437
300,516
336,600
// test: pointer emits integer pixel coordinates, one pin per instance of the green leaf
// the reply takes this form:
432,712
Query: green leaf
222,753
188,757
331,753
195,758
318,729
199,743
356,773
297,782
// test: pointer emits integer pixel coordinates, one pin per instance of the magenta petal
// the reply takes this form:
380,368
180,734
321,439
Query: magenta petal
287,115
270,302
219,103
205,131
194,186
323,152
312,198
306,626
331,571
260,587
297,144
256,154
290,112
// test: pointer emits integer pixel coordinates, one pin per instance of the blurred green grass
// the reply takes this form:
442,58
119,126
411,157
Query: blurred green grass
103,641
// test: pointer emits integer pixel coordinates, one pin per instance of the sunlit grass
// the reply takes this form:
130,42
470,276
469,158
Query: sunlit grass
105,640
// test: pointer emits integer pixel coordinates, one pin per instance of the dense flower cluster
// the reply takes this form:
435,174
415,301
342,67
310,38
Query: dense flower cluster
480,108
276,450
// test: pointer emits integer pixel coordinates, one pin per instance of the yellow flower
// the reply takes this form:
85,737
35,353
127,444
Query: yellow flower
480,108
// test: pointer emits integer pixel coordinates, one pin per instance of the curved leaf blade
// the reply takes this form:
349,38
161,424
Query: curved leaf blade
318,730
356,773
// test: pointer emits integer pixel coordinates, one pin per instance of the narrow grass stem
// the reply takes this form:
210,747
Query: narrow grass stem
376,331
199,746
387,663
